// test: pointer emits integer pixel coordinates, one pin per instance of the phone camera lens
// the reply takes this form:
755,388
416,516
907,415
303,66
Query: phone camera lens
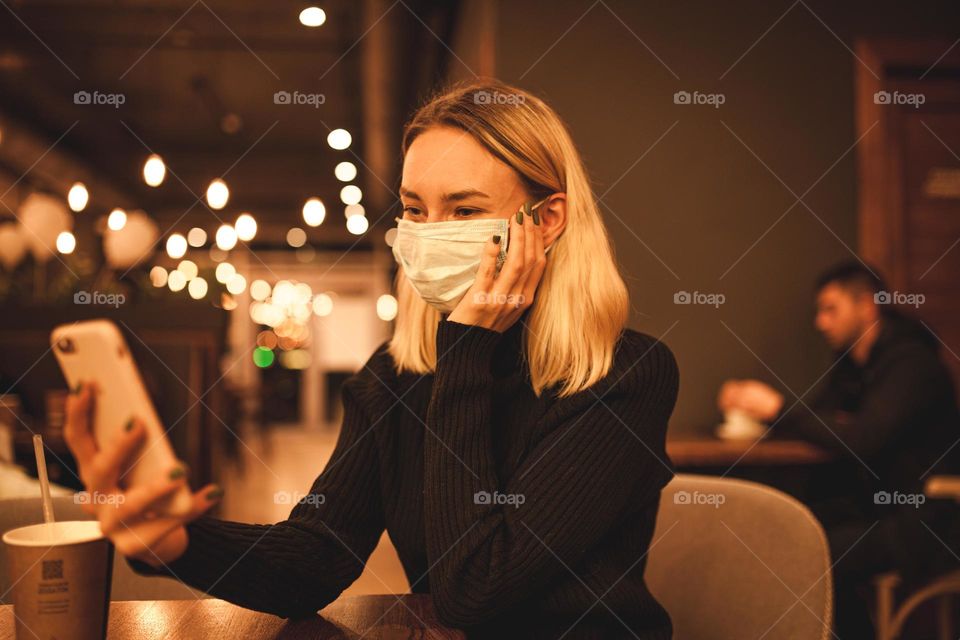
65,345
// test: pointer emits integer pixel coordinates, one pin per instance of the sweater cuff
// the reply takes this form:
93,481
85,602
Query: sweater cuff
181,565
466,348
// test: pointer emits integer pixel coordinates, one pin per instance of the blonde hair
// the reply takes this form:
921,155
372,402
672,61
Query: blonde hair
581,306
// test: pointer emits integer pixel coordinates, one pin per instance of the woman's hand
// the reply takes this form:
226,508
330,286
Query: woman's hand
125,516
497,301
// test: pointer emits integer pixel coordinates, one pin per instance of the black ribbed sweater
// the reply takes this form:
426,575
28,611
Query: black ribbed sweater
523,517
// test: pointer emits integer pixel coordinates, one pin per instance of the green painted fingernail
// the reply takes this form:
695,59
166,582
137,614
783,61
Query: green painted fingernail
536,217
215,493
177,473
496,239
129,425
526,208
520,217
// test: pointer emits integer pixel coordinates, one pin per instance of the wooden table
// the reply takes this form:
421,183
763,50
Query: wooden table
387,617
714,452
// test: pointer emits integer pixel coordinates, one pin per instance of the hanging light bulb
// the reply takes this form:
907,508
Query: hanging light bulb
154,170
236,284
339,139
188,268
218,194
246,227
314,212
296,237
357,225
345,171
66,242
158,276
313,17
197,288
226,237
196,237
387,307
78,197
224,272
351,194
176,246
117,219
259,290
354,210
176,281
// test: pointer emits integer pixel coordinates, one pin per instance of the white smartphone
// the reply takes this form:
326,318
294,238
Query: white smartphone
94,350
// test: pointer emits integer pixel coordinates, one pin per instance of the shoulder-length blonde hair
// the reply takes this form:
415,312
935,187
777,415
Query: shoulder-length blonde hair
581,305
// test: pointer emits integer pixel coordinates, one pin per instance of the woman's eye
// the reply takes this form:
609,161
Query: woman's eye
411,210
465,212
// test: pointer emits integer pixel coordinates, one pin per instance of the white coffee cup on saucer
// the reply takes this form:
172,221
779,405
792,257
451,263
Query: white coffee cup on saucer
738,425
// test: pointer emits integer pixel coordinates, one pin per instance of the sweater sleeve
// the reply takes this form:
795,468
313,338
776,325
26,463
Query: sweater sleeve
902,389
493,541
295,567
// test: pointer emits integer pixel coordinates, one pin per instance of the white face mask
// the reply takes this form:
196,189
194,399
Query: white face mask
441,259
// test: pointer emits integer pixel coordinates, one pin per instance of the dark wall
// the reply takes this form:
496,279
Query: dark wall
703,199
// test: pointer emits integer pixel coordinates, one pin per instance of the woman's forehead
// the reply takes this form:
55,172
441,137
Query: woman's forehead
446,160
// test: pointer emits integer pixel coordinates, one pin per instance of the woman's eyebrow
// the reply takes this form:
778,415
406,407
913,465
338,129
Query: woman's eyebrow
456,196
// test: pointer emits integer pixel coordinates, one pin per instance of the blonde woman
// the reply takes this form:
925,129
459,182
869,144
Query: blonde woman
509,437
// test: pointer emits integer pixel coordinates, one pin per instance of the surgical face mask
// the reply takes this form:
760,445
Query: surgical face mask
441,259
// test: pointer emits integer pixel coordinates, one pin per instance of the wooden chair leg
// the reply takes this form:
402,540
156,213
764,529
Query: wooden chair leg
945,617
885,606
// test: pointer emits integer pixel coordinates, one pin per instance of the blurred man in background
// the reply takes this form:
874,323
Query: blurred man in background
888,410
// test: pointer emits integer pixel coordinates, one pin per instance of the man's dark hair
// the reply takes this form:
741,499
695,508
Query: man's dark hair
853,276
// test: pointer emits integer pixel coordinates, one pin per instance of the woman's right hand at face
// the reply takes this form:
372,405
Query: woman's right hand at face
126,516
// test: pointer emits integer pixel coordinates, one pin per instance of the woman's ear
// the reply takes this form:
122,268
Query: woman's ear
553,217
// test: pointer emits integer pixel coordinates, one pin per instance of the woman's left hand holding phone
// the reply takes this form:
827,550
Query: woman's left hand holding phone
127,515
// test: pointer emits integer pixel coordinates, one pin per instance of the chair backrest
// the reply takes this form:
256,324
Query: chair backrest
127,585
737,559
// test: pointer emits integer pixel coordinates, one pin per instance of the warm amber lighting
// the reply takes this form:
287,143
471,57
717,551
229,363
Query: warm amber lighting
218,194
78,197
154,171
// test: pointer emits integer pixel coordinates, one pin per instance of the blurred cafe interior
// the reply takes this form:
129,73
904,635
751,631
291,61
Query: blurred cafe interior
227,183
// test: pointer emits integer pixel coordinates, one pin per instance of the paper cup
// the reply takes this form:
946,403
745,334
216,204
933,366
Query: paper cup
60,580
